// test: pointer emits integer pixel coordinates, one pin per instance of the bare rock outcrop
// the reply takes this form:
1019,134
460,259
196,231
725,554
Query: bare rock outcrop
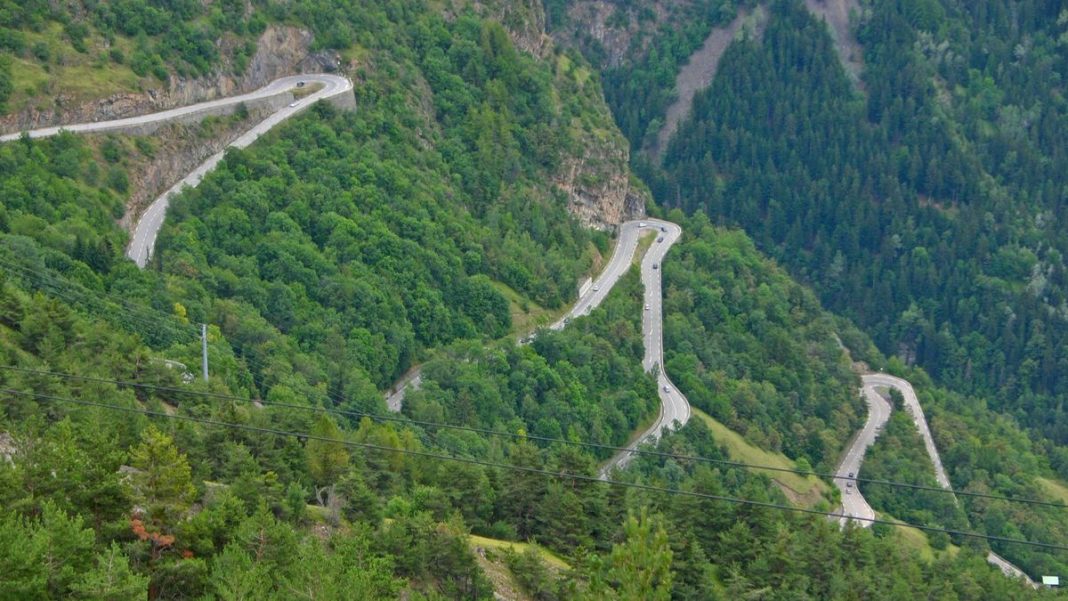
599,190
181,149
596,180
838,14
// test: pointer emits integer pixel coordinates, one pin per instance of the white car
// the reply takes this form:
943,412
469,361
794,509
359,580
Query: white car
596,288
667,388
646,307
641,224
294,103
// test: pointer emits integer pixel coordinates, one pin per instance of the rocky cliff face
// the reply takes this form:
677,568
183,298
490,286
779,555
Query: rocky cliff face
599,188
524,20
280,51
596,178
181,148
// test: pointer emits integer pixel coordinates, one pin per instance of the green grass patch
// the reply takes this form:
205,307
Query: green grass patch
527,315
500,545
1055,489
644,242
916,541
806,490
74,76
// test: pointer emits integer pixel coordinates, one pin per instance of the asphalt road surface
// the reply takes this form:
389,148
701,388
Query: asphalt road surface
674,407
853,502
912,405
144,236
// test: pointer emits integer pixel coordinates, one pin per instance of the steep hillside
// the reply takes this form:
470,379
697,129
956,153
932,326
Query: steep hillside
926,209
336,251
88,62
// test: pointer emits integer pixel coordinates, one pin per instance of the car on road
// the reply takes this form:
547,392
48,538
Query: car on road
849,491
596,288
663,229
654,265
667,388
641,224
850,474
660,239
294,103
300,84
646,307
849,484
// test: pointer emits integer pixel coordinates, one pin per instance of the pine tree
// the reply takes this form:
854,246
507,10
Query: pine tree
327,457
111,579
162,484
640,567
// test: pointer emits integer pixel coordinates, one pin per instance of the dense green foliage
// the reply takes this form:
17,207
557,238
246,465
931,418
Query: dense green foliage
327,259
873,196
179,35
754,349
582,384
927,207
365,247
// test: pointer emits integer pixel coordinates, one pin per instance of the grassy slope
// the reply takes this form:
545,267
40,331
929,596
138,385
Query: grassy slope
802,490
492,543
1056,489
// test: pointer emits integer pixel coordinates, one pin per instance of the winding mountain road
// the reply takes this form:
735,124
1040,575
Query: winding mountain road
853,503
144,236
674,407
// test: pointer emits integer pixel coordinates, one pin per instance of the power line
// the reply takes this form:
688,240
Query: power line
251,362
61,288
75,293
531,470
545,439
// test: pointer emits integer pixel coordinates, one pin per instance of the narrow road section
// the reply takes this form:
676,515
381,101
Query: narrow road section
912,406
853,502
144,236
674,407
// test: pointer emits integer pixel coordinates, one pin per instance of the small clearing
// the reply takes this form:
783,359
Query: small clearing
697,74
917,541
550,559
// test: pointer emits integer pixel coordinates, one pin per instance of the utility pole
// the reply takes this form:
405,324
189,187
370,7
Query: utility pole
204,349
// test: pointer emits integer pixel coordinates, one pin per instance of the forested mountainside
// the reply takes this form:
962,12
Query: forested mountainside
639,46
435,224
921,202
927,207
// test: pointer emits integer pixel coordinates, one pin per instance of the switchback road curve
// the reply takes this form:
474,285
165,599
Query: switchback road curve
276,94
853,502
